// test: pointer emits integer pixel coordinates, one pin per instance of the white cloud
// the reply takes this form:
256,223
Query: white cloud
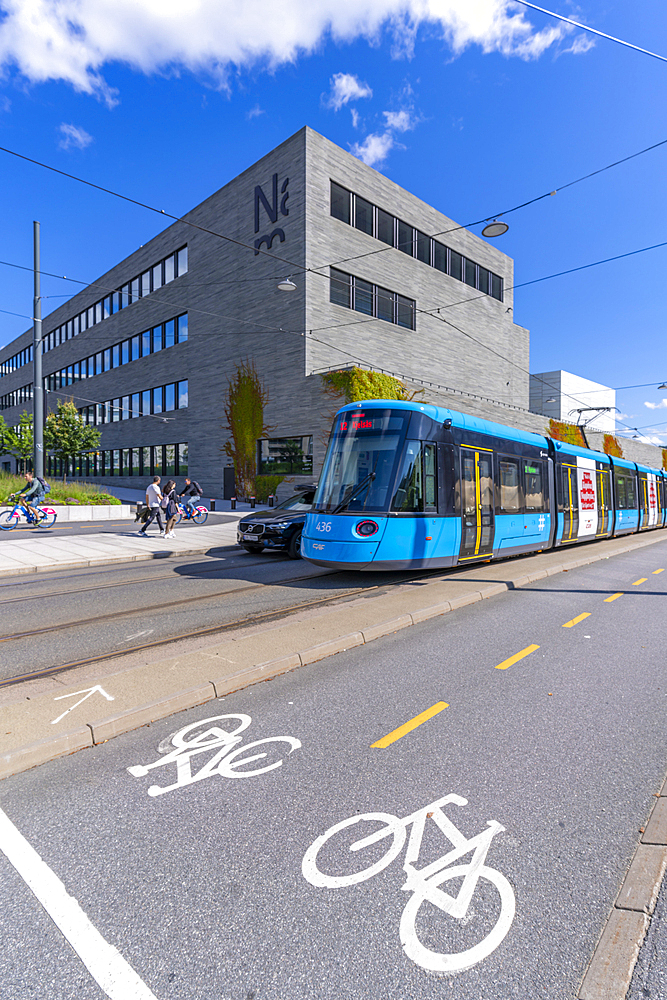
355,118
400,121
375,148
72,41
255,112
73,137
345,88
662,405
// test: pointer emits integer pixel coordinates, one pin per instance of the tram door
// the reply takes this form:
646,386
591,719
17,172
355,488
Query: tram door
570,502
604,503
477,502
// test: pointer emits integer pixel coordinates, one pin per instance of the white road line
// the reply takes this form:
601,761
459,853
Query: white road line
86,694
104,962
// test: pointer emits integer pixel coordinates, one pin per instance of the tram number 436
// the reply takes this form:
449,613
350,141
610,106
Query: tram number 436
425,883
210,737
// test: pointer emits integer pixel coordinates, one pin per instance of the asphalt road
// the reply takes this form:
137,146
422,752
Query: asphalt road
201,887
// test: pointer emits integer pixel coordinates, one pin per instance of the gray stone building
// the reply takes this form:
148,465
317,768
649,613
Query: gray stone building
383,281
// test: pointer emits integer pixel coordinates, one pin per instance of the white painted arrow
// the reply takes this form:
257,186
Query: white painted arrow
86,694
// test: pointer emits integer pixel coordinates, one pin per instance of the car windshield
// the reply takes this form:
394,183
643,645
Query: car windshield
361,443
295,504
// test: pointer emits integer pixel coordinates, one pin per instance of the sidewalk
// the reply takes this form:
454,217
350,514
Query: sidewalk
43,553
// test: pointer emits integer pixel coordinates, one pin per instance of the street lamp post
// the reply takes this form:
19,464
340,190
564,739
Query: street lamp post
37,387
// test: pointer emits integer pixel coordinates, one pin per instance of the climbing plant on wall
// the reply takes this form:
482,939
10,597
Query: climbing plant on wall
612,446
560,431
355,384
664,458
243,407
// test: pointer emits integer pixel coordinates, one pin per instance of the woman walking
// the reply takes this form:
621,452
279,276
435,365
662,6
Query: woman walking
170,506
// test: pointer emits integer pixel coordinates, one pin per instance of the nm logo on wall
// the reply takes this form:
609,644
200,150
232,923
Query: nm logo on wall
272,208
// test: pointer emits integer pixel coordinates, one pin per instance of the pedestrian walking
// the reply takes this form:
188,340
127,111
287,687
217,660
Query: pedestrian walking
193,491
170,507
153,502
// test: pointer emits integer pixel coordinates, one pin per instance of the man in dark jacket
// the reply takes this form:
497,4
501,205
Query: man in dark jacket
193,492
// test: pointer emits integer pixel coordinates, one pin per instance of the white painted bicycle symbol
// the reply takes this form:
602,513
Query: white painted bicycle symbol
424,883
196,739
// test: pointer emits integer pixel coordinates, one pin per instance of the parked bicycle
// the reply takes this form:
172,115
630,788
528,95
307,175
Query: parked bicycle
424,883
10,518
185,513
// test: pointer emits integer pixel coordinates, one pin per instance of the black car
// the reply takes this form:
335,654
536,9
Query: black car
279,527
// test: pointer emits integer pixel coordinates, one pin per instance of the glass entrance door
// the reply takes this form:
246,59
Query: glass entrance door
477,503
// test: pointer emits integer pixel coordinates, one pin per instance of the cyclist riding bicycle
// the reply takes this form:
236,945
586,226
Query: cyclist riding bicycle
193,491
34,495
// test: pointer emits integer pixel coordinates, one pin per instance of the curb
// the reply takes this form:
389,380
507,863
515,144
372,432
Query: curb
609,972
34,754
114,560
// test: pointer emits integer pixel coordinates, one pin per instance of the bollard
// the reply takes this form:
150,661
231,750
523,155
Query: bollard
270,499
212,504
252,503
233,503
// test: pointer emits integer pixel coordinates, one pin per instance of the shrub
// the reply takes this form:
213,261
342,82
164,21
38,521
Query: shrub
265,485
72,493
612,446
560,431
356,384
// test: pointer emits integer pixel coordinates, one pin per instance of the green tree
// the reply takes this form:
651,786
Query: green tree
244,409
66,434
18,443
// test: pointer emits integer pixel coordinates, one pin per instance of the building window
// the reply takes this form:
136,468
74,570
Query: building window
340,203
149,281
285,456
355,293
354,210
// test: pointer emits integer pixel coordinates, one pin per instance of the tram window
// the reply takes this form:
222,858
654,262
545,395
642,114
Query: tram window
631,492
430,482
510,489
409,495
534,495
340,288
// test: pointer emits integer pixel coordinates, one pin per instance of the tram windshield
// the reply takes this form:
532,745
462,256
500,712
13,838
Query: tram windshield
359,467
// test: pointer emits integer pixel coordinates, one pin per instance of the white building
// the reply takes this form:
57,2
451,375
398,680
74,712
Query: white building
561,394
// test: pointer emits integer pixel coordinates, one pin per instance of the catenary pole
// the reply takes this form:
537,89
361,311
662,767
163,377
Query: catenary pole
37,386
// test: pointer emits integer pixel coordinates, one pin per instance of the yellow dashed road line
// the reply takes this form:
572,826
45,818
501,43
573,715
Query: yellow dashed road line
575,621
517,656
407,727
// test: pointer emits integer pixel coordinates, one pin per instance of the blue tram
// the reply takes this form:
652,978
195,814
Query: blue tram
411,485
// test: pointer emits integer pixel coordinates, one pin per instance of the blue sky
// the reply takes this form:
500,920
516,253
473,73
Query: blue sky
473,105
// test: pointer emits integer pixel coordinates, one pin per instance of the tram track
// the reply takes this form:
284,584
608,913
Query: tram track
262,616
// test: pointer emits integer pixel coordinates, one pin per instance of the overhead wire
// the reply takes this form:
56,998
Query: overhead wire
594,31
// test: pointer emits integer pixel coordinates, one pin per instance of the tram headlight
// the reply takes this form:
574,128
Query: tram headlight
367,528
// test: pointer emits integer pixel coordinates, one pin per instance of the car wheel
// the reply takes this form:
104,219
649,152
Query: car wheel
254,548
294,546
